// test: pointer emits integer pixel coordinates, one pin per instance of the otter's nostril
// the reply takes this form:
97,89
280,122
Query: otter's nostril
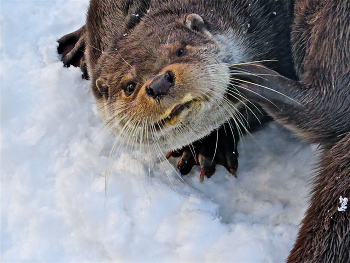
149,91
169,76
161,85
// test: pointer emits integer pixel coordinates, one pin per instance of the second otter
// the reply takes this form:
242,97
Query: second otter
318,109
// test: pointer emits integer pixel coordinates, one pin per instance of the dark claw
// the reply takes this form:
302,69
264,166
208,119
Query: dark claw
169,154
206,161
201,176
207,172
233,171
175,154
230,158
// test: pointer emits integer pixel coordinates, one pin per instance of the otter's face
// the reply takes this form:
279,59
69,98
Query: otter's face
164,83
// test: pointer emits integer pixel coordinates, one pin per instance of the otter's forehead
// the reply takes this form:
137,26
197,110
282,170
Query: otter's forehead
151,35
149,50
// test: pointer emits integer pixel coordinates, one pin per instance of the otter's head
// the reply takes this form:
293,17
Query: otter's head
165,83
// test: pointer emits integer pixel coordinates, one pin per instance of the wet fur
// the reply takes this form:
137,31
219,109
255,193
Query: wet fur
323,29
318,109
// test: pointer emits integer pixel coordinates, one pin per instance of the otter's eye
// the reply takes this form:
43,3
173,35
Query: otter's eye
130,88
180,52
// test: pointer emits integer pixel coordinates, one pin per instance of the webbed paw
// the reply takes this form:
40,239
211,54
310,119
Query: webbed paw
219,147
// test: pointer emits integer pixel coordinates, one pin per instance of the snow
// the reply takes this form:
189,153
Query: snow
55,152
343,204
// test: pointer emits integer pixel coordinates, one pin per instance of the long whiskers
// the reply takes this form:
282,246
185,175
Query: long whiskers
136,130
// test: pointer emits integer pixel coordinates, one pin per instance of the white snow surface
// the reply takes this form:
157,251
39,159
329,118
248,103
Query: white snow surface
54,155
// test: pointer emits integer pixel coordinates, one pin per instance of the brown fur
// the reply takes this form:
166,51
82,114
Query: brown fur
325,232
321,43
318,109
138,42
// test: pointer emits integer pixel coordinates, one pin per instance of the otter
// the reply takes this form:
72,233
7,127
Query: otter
317,108
160,71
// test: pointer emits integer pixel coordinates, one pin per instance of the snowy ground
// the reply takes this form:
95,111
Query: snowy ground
54,155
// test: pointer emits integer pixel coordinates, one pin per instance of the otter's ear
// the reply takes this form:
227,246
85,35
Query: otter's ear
196,23
101,86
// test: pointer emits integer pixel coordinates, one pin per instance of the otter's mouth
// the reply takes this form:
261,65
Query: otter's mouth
179,108
175,112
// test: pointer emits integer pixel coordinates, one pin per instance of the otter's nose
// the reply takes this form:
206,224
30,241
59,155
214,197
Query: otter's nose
161,85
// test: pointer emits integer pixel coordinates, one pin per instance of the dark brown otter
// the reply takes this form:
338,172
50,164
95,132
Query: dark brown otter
160,71
317,108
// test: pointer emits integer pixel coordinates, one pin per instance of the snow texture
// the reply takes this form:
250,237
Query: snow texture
343,204
54,155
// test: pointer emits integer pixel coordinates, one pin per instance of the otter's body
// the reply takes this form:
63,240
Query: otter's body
160,70
318,109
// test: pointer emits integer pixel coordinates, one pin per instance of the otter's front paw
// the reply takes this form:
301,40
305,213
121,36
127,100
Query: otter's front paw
219,147
72,47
